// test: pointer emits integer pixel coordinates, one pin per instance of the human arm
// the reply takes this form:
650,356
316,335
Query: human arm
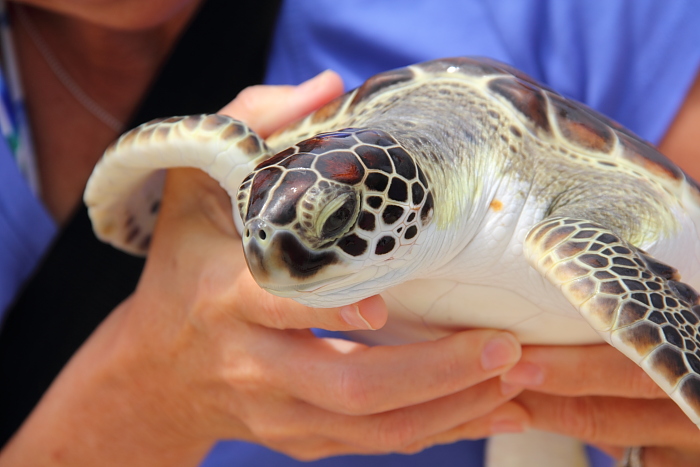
200,353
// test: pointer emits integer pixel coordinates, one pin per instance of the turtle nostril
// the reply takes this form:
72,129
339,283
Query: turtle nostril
262,235
247,233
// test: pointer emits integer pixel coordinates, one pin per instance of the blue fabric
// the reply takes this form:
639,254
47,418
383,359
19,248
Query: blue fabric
633,60
26,228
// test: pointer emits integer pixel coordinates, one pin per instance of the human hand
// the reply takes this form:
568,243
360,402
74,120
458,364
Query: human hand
200,353
596,394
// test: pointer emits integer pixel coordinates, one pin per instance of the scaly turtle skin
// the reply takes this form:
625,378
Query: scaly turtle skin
463,191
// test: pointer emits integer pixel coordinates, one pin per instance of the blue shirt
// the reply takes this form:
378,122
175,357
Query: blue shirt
633,60
26,228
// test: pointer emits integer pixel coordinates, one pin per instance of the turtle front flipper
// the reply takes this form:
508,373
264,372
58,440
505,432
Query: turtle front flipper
636,303
123,193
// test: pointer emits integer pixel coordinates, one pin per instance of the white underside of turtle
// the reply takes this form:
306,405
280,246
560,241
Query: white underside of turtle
467,194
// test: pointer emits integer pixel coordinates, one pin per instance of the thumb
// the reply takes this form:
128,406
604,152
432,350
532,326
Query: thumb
268,108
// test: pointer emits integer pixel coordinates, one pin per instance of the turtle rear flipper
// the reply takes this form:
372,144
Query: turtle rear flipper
636,303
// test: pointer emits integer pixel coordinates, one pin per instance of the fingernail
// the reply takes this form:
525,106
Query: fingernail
524,374
506,425
310,83
351,315
500,351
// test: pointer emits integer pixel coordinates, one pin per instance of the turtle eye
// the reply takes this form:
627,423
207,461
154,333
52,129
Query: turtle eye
337,215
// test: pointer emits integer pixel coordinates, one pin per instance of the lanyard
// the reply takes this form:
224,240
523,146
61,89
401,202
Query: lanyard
13,116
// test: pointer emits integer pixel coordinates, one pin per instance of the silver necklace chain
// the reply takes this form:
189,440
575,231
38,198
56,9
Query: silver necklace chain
65,78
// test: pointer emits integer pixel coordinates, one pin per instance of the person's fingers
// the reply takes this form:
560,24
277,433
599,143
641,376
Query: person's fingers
582,370
409,428
655,456
509,417
353,379
267,108
255,305
615,421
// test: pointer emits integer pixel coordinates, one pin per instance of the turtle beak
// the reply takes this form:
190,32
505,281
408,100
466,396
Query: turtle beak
279,262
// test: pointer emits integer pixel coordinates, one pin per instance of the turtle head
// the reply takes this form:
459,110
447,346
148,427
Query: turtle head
332,212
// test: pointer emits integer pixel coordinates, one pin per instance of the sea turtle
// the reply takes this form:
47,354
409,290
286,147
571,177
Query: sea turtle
466,193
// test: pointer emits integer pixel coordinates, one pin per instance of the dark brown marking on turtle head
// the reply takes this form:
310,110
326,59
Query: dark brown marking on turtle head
263,182
282,208
329,110
426,213
421,176
380,82
367,221
411,232
645,155
581,127
376,181
403,163
277,158
374,158
392,214
341,167
417,194
300,261
325,142
375,201
525,97
398,190
353,245
298,161
385,245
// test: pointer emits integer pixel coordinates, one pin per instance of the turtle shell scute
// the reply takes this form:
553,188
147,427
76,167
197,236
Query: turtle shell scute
582,127
381,82
525,97
376,138
645,155
465,65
